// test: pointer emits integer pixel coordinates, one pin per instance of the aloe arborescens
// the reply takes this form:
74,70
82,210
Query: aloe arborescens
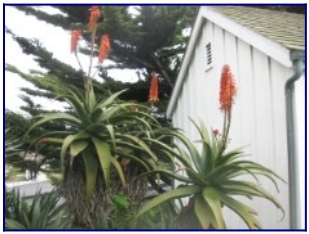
213,175
104,145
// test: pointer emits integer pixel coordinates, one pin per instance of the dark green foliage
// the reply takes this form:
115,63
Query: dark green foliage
161,217
150,41
12,143
19,143
44,212
120,212
16,126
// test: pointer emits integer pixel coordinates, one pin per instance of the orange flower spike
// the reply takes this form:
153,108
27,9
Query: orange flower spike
95,13
105,48
75,36
227,89
154,88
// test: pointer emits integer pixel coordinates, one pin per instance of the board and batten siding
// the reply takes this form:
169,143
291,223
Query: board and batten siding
258,117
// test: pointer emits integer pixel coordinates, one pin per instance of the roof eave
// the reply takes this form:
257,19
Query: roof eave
186,60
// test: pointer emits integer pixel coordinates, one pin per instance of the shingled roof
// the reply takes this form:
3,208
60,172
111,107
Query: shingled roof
285,28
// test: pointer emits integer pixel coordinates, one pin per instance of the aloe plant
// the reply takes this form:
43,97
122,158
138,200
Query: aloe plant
44,212
99,132
103,138
211,181
213,175
106,142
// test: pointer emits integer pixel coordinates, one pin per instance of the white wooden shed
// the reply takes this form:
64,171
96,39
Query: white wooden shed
265,50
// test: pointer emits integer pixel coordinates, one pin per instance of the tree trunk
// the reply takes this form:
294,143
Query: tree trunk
98,211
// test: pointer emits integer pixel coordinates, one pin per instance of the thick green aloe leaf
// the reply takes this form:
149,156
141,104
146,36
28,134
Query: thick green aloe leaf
67,142
223,172
77,105
51,140
261,168
245,212
167,173
195,176
96,115
201,211
104,154
202,131
115,114
169,195
193,152
230,156
136,159
252,189
136,141
91,99
53,117
78,146
50,134
110,99
35,212
206,159
119,170
13,224
111,130
91,171
211,197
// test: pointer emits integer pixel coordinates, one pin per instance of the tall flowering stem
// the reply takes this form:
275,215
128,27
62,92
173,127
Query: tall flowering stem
75,37
104,49
154,88
95,13
227,95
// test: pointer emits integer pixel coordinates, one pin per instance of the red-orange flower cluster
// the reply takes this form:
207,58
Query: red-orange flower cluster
105,48
95,13
154,88
227,89
75,36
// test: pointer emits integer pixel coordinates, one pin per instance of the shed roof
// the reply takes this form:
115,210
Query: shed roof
275,33
286,28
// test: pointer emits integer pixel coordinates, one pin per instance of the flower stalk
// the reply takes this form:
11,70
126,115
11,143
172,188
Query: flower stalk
227,95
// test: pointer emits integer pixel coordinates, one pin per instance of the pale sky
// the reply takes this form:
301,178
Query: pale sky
55,39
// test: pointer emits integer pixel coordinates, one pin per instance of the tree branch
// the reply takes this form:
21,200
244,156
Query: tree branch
164,73
133,57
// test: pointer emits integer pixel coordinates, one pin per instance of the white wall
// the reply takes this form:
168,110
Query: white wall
258,118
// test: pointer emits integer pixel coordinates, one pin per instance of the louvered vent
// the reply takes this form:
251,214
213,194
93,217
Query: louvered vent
208,54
